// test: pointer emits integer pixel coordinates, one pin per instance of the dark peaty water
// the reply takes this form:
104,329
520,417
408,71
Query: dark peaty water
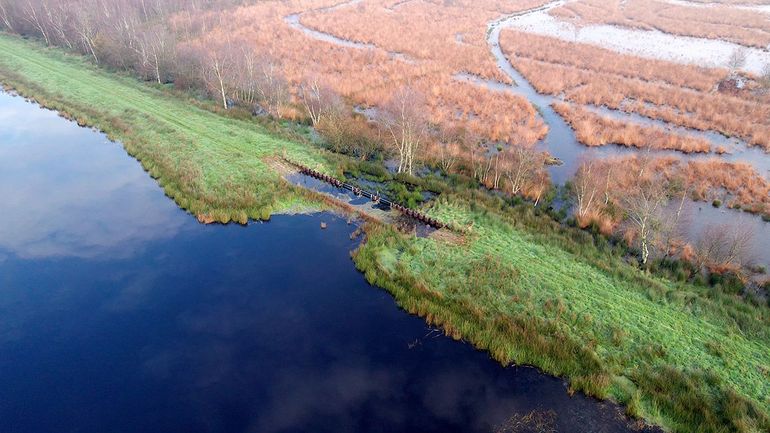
120,313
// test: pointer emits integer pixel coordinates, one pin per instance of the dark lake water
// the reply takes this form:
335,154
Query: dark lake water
120,313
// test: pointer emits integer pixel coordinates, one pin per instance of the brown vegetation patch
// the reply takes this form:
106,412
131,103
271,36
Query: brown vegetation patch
448,236
713,21
593,129
678,94
737,184
280,166
422,31
486,135
590,58
536,422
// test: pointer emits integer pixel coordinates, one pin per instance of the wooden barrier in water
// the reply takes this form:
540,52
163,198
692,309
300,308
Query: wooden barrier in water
376,198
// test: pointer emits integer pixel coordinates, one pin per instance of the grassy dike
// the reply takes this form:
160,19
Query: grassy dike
518,285
211,166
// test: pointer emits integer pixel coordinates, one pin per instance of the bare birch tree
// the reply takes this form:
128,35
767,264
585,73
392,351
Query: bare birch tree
85,26
680,188
58,15
317,99
608,170
478,150
643,204
155,50
247,76
36,19
5,15
724,245
737,59
448,154
272,87
497,171
216,64
586,187
449,145
522,165
486,161
404,118
540,184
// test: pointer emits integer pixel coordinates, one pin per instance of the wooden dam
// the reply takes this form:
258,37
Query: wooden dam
376,198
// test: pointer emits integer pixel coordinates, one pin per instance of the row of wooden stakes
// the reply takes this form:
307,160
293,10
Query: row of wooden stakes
412,213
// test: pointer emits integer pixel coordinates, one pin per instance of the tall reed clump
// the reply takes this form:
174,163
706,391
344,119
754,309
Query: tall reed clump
593,129
696,400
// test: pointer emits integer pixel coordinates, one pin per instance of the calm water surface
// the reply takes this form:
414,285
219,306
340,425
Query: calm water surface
120,313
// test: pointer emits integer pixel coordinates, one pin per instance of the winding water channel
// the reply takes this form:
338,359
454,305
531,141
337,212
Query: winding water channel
561,140
120,313
293,20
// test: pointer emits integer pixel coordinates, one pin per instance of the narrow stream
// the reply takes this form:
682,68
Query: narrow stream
120,313
293,20
560,141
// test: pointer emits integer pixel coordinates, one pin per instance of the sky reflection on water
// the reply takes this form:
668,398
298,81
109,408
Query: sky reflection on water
68,191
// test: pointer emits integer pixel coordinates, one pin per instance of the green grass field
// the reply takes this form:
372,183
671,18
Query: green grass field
686,357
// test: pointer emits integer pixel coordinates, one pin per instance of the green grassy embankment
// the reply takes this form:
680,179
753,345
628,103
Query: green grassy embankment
678,355
211,166
530,291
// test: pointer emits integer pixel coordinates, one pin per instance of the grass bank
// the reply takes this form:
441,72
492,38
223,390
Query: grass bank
518,284
678,355
210,165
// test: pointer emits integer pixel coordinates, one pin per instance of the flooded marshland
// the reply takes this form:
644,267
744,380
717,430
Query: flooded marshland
562,143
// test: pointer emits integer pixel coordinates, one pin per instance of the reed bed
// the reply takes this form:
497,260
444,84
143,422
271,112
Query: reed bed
593,129
722,22
681,95
738,185
416,45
